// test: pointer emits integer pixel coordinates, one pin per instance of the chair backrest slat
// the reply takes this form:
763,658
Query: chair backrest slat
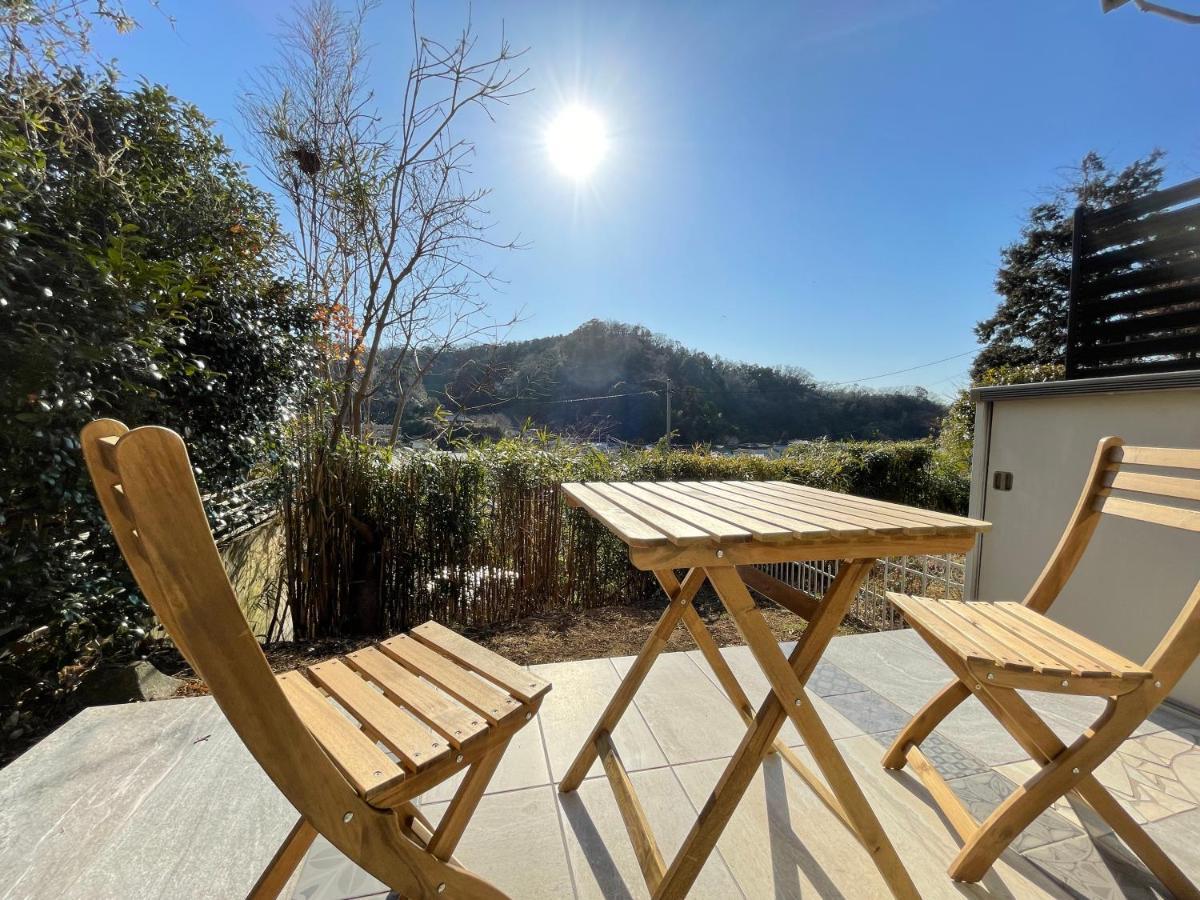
1155,513
1167,457
1162,485
1143,496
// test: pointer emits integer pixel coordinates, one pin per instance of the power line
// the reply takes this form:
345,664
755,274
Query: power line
585,399
902,371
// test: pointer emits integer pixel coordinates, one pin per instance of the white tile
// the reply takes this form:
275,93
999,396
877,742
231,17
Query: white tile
570,711
523,765
689,716
601,854
514,840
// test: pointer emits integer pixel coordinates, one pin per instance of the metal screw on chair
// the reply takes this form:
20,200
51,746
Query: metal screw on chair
720,554
798,701
1064,682
416,753
458,758
377,773
979,687
1158,684
991,676
347,817
441,888
1075,771
528,716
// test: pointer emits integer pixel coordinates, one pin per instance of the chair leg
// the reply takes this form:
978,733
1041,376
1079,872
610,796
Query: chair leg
462,807
284,862
1061,774
924,722
1043,744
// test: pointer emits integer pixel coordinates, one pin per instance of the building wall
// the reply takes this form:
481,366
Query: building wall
1135,576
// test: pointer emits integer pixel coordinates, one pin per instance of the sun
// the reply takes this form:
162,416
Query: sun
576,141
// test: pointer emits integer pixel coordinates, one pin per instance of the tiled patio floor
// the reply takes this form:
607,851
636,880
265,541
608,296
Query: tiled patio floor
160,800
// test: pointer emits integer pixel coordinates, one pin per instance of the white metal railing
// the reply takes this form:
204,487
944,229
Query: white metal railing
929,576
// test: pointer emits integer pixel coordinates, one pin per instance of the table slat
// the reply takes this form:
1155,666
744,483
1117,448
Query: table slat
625,525
678,531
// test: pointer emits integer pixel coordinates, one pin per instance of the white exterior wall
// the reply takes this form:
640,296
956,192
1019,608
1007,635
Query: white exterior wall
1136,576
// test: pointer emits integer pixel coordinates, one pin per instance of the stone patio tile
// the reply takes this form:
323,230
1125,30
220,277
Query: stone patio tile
601,854
523,765
781,842
904,673
947,757
138,800
515,840
1179,837
827,679
983,793
689,716
746,670
1154,775
869,711
569,712
1102,869
328,875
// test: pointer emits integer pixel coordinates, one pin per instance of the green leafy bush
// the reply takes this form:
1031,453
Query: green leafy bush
138,280
482,536
956,434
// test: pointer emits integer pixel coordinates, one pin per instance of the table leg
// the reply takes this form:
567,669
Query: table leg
787,677
681,595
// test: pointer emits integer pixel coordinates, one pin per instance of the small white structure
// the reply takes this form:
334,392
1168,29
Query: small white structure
1033,445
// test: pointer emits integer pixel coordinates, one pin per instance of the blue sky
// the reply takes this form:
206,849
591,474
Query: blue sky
819,184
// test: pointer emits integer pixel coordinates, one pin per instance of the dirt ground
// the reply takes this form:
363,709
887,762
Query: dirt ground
558,636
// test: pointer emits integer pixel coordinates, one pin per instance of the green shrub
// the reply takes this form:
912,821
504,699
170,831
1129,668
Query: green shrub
138,280
482,536
956,434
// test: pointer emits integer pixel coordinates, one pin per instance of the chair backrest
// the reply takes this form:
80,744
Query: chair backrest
1146,484
145,484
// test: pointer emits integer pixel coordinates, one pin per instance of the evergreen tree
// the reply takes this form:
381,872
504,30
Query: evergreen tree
1029,326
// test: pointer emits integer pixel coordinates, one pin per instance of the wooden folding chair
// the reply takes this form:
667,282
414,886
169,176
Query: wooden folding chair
996,648
438,702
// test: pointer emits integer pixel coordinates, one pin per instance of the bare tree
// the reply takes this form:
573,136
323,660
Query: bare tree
384,227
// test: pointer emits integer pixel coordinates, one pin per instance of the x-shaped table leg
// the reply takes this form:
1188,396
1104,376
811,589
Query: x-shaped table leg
787,699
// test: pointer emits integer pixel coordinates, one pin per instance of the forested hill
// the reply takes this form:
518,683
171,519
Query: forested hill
713,400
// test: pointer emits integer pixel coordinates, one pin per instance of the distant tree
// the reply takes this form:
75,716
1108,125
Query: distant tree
1029,326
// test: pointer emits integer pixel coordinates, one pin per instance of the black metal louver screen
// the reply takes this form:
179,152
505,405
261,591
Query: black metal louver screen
1135,286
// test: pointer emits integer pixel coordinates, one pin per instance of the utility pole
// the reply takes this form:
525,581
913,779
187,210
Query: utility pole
668,393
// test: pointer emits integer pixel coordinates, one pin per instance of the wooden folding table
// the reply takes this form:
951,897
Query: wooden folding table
723,532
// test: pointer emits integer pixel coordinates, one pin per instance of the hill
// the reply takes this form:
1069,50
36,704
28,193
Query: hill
611,379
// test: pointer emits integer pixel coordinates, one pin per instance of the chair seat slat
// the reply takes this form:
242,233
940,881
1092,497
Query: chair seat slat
403,735
367,768
514,679
488,701
453,721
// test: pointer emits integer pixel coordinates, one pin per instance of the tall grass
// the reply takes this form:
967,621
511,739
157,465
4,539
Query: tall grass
482,536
